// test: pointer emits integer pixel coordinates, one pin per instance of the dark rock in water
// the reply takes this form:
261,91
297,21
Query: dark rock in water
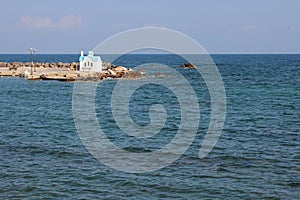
188,66
133,75
159,75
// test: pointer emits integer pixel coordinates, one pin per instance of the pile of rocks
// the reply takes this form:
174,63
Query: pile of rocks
121,72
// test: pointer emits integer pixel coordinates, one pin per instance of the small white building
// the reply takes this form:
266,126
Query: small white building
90,63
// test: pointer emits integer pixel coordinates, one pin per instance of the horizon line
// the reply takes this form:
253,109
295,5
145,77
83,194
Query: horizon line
212,53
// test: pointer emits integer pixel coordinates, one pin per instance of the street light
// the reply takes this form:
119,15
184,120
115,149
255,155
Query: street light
31,58
34,51
33,68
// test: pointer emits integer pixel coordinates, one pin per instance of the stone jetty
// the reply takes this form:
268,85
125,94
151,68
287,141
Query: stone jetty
64,71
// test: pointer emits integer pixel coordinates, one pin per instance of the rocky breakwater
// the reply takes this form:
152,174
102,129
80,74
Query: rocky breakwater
21,65
64,71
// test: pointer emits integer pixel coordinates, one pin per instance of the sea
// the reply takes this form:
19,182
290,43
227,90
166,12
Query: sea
257,155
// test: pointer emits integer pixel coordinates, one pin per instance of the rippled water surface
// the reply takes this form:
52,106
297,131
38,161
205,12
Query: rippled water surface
257,155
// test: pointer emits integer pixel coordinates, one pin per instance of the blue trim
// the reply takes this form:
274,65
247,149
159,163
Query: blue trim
82,58
94,58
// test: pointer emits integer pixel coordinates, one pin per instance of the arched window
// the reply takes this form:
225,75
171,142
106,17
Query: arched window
91,64
85,64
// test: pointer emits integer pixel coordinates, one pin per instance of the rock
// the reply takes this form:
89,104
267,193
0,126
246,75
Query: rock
52,65
120,74
159,75
12,66
66,65
133,75
113,73
188,66
59,64
107,65
28,64
71,76
74,66
105,74
120,69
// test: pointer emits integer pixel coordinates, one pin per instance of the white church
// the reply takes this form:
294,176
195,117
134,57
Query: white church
90,63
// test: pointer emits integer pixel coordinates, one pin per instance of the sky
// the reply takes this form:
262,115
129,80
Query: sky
220,26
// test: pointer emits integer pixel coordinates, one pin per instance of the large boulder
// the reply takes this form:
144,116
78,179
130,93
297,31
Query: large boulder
112,72
106,74
59,64
74,66
53,65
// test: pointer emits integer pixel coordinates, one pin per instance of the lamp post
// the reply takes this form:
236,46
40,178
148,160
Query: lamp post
31,58
34,51
33,68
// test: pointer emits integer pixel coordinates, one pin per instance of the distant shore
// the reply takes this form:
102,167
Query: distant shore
64,71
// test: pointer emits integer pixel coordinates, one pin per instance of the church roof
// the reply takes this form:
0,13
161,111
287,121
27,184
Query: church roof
90,54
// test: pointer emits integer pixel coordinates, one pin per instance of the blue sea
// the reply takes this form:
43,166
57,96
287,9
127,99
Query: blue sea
256,157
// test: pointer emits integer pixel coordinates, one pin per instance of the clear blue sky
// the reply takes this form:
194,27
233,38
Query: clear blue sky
221,26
